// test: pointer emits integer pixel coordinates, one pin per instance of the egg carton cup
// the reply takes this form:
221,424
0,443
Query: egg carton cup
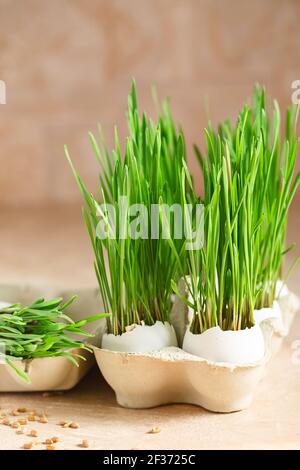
279,318
143,379
171,375
55,373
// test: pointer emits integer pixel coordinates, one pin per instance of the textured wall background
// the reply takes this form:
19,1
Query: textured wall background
67,64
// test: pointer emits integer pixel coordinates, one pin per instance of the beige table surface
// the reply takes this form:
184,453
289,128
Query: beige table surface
50,246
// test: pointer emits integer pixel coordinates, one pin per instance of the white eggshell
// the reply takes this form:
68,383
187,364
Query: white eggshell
281,289
142,338
273,313
235,347
4,304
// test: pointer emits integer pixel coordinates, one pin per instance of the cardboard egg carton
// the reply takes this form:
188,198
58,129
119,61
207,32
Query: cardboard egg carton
55,373
170,375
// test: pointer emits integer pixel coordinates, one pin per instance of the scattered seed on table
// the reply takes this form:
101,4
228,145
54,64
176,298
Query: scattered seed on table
50,447
62,423
23,421
48,441
55,439
20,431
28,445
154,430
74,425
33,433
22,409
15,425
84,444
6,422
43,419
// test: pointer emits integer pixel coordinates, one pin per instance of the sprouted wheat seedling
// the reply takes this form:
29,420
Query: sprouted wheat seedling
135,275
249,186
40,330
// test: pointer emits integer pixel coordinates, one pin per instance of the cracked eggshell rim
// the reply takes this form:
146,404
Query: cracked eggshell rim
281,289
4,304
241,347
142,338
280,316
274,314
287,299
